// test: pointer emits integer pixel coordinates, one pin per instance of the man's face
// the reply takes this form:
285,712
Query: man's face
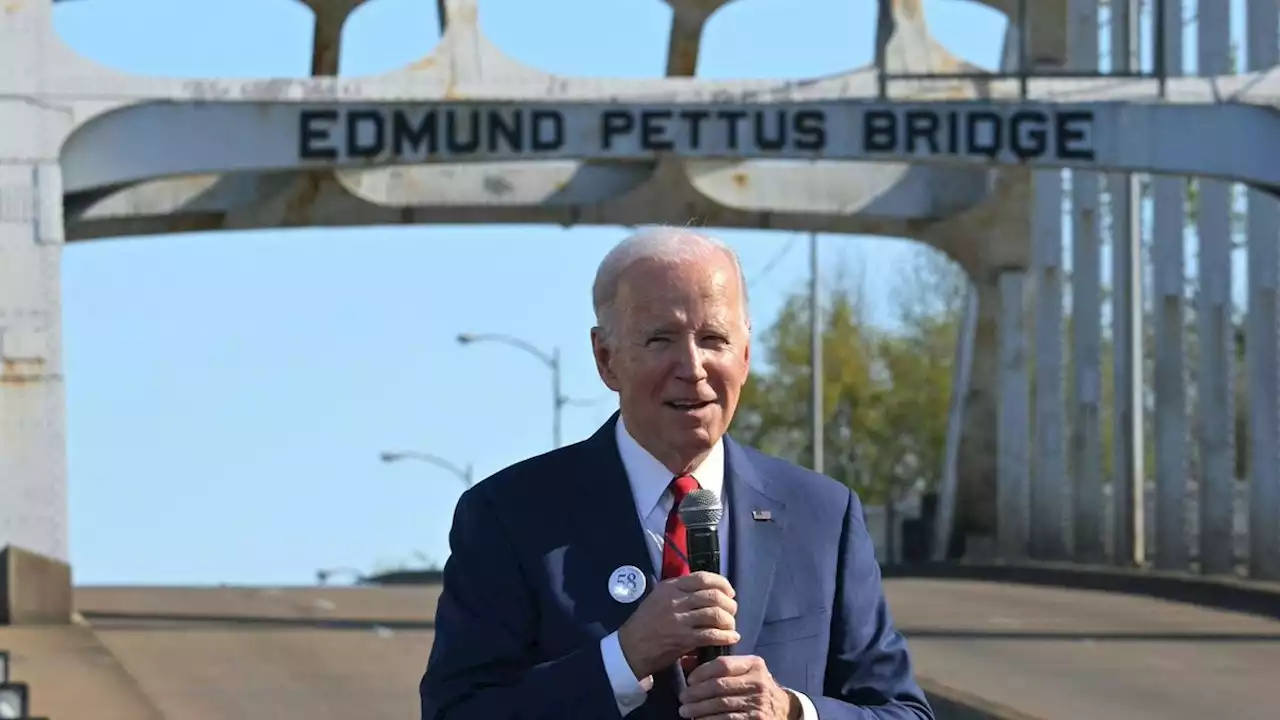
679,355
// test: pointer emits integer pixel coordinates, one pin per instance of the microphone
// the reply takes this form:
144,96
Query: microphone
700,512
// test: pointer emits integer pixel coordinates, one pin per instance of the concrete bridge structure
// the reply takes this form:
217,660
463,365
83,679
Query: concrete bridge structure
921,145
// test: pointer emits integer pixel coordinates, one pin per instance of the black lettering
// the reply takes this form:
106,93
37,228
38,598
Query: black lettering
976,143
1029,134
507,128
548,130
880,131
312,131
1074,130
731,119
653,130
453,141
779,139
367,133
407,137
356,146
614,123
694,118
922,126
810,129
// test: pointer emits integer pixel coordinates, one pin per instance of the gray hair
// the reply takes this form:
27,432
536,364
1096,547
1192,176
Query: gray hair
664,244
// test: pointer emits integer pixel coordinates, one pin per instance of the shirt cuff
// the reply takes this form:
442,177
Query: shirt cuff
807,709
629,692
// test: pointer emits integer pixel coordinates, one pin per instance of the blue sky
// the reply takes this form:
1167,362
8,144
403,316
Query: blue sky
228,394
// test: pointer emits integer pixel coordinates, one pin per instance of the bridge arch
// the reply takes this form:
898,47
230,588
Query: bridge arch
308,152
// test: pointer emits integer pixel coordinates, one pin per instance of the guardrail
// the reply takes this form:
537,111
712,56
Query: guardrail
1229,593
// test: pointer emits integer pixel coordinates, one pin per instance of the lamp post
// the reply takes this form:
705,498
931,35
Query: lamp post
551,360
817,376
465,474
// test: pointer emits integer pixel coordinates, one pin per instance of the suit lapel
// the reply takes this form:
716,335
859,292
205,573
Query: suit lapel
610,533
756,530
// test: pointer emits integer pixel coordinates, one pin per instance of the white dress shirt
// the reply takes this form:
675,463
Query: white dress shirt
650,487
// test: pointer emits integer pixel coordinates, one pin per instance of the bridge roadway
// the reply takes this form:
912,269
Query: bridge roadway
1062,654
331,653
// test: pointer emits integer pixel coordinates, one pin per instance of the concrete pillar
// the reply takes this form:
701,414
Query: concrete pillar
1128,544
1049,501
688,20
977,468
33,476
1049,505
1086,327
1172,552
1002,224
987,462
326,47
1013,440
1217,343
1263,336
1046,506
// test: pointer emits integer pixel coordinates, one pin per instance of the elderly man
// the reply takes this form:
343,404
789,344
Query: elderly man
568,594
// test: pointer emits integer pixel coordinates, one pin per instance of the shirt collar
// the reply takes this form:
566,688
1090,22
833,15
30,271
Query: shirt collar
650,479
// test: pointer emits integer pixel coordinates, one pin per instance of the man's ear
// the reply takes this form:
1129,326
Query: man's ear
604,359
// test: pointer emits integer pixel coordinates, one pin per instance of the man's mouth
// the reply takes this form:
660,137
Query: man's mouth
688,404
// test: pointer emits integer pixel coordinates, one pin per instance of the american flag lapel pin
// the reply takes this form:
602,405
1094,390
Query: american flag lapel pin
761,515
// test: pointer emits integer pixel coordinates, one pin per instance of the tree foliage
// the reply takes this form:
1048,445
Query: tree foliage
885,390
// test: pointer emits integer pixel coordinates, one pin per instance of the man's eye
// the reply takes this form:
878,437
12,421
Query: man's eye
656,340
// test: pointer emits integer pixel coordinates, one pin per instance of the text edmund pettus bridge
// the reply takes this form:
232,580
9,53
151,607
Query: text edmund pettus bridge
870,131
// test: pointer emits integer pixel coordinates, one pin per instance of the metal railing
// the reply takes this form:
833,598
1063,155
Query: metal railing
1027,68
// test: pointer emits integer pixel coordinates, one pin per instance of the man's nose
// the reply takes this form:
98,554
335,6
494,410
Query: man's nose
690,362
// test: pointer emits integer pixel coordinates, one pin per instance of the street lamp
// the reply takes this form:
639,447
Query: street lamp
552,361
466,475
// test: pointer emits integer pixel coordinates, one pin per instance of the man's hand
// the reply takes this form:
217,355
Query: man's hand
737,687
680,615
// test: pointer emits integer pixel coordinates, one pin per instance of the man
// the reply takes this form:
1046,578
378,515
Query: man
567,594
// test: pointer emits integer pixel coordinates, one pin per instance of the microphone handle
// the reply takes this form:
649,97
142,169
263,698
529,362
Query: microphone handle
707,654
703,544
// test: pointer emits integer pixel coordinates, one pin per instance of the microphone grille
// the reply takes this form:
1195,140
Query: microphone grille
700,508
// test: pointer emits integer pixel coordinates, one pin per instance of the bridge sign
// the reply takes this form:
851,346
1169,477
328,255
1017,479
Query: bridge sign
120,147
418,133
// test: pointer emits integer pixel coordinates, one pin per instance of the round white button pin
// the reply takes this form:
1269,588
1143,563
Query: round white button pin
627,584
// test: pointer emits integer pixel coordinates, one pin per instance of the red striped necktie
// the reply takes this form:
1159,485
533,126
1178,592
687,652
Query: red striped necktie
675,550
675,553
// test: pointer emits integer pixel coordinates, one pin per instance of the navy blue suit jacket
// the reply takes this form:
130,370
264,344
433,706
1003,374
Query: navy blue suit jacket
525,599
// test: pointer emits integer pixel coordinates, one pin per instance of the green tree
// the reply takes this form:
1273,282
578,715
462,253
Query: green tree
886,390
917,356
774,411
